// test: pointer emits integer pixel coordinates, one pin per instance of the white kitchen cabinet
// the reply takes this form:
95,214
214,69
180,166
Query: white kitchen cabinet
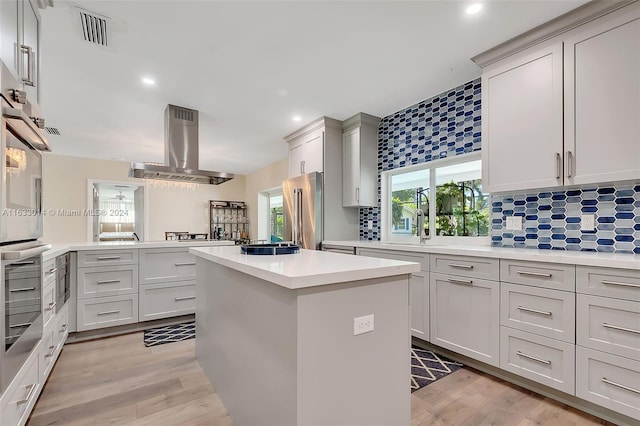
565,111
305,154
101,312
465,316
9,34
360,161
166,265
17,401
602,102
102,281
167,300
522,122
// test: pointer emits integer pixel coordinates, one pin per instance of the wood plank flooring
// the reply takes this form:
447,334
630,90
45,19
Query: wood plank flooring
118,381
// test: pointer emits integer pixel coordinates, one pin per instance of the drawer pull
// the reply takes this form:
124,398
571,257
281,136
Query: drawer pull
185,298
109,312
109,257
64,328
534,274
535,311
459,266
51,307
108,281
618,385
458,281
52,349
24,324
533,358
32,389
619,283
616,327
186,264
51,271
17,290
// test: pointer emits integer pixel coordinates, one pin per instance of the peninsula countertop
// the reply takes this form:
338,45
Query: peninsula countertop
308,268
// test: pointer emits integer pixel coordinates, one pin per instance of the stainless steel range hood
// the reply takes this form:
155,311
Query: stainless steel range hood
180,152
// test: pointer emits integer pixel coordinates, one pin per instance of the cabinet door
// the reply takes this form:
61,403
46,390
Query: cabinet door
312,153
9,34
351,168
602,103
465,316
522,122
29,54
295,159
419,304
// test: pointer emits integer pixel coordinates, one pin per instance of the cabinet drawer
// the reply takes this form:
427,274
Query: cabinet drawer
541,359
107,281
21,395
422,259
107,312
542,311
539,274
48,303
47,354
608,380
107,257
163,265
62,326
619,283
167,300
49,271
609,325
466,266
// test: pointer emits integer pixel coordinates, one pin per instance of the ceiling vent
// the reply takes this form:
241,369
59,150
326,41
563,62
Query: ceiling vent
52,131
96,29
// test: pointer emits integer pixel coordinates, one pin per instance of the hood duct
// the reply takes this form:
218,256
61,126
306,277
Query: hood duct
180,152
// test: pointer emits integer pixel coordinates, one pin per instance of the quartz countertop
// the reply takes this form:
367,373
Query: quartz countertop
61,248
308,268
607,260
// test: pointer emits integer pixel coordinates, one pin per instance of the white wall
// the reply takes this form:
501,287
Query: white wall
65,181
264,179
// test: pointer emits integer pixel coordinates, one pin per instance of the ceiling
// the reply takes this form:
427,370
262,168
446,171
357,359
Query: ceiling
249,67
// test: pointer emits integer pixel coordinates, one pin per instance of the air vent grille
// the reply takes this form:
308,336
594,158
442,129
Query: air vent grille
183,114
52,131
95,28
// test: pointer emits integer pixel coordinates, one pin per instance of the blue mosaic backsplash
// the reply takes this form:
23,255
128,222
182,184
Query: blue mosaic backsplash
443,126
551,220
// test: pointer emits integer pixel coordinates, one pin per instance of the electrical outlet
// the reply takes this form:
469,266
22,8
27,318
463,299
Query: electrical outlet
514,223
587,222
370,225
362,324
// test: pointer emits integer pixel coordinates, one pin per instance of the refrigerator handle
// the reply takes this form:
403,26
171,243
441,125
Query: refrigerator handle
296,222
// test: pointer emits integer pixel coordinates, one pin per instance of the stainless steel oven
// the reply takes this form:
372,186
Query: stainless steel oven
63,280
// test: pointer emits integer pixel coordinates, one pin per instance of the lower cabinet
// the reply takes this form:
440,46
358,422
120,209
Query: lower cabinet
465,316
167,300
21,395
419,304
107,311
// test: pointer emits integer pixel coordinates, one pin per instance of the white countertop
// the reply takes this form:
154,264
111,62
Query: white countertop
608,260
61,248
309,268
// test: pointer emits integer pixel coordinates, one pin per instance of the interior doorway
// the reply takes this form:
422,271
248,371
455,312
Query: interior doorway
117,212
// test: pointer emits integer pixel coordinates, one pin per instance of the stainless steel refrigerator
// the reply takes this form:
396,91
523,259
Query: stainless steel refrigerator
303,210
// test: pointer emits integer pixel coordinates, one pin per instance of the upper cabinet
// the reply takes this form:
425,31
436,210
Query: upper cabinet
20,42
314,147
360,161
565,112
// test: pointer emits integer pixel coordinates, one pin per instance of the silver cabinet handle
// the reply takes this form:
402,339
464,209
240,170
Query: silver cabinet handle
535,311
459,266
618,385
52,305
109,312
51,271
617,327
533,358
28,262
534,274
569,163
619,283
109,257
64,328
52,349
186,264
458,281
185,298
17,290
28,50
24,324
558,166
108,282
32,388
357,194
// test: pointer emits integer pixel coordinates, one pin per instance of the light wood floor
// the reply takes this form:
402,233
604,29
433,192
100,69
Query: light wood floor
117,381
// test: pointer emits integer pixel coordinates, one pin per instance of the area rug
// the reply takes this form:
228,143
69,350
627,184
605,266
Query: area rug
427,367
170,333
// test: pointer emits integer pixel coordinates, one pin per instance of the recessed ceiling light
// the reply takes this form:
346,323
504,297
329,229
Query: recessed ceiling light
148,81
297,118
474,8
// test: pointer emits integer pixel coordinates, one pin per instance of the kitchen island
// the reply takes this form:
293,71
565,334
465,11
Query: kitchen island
275,336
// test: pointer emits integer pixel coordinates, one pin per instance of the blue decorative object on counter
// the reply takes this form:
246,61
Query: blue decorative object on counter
269,249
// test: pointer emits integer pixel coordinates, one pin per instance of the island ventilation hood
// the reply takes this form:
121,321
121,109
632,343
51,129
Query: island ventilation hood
180,152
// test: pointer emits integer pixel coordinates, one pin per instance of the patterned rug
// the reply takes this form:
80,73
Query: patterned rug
427,367
170,333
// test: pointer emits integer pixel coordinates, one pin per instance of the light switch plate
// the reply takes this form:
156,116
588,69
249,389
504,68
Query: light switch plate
587,222
514,223
362,324
370,225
